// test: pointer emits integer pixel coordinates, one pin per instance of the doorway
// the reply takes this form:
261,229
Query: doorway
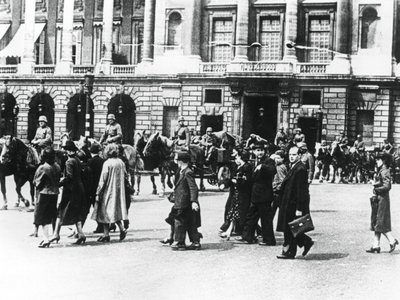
311,128
215,122
365,125
264,124
170,120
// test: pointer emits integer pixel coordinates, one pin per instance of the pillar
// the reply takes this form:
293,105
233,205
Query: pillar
341,60
64,66
291,29
108,16
283,105
242,31
28,58
236,92
148,31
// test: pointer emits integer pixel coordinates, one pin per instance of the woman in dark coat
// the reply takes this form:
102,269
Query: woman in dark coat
72,205
239,194
46,181
380,203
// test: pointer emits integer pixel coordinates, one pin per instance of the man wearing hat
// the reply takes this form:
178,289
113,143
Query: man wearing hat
8,110
186,209
113,131
281,136
308,160
359,144
261,199
344,141
43,135
209,141
299,136
182,135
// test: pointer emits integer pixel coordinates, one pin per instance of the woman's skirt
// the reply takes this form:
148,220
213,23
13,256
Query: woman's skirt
46,209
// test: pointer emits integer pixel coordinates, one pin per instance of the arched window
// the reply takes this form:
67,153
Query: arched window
174,29
369,22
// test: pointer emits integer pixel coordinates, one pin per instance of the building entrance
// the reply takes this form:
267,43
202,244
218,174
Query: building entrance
260,116
311,128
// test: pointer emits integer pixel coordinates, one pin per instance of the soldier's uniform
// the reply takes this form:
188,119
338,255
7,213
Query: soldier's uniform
112,133
182,135
43,135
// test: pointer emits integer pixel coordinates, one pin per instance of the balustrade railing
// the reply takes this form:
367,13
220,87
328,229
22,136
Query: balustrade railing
82,69
311,68
44,69
213,68
123,69
8,69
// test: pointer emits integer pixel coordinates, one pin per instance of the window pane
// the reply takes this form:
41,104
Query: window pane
222,33
320,36
270,39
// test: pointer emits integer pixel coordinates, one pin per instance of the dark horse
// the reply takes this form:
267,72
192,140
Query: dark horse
21,161
160,149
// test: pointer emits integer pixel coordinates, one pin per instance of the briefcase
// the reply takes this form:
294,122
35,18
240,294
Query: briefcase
301,225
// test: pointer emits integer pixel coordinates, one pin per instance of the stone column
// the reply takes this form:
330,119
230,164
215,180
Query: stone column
64,66
290,29
28,58
284,97
242,31
148,31
236,92
341,61
108,16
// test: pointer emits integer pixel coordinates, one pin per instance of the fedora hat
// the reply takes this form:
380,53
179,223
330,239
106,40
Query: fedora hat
70,146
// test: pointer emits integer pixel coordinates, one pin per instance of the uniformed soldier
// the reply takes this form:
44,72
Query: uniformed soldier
209,141
182,135
359,144
113,132
299,137
43,135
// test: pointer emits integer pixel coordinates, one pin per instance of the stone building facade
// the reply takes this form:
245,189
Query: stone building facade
324,66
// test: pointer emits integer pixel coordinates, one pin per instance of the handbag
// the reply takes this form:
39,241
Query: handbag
301,225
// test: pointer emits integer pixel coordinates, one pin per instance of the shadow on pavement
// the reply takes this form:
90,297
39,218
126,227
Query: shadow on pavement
325,256
217,246
323,211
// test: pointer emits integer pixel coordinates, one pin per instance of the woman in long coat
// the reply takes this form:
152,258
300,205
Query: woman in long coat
71,208
110,204
380,203
46,181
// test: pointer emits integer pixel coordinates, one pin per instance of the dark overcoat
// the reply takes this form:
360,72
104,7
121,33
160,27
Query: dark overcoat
71,208
295,195
263,176
95,166
380,221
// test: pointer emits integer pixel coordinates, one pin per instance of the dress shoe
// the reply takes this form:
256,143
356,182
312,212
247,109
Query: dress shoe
262,243
242,240
307,247
122,235
393,246
194,246
44,244
81,240
285,256
374,250
4,207
178,246
166,241
104,239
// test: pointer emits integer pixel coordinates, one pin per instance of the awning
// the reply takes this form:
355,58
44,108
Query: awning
16,47
3,30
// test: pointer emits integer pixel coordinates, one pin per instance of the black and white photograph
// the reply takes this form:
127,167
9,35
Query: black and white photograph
199,149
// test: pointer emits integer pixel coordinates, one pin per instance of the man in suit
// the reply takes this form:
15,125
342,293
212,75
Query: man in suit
261,199
95,164
186,206
295,202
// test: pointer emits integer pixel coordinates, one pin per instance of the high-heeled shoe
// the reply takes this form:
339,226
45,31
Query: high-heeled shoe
104,239
166,241
56,239
81,240
122,235
393,246
44,244
374,250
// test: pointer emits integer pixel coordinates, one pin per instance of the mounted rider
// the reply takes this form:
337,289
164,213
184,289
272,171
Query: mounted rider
112,132
210,142
359,144
182,135
43,135
299,137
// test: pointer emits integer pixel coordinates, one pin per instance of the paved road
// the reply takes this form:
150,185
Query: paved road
141,268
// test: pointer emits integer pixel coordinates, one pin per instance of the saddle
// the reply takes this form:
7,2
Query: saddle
32,157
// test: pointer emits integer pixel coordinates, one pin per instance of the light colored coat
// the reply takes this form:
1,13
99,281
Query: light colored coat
111,206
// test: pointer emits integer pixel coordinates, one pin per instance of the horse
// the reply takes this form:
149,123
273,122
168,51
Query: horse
338,163
19,160
160,149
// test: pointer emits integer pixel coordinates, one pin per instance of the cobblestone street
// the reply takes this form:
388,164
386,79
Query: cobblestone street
141,268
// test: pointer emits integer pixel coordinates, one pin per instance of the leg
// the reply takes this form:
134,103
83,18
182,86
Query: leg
45,229
138,180
162,179
377,240
390,237
3,191
154,185
289,242
56,233
265,212
201,173
251,223
180,230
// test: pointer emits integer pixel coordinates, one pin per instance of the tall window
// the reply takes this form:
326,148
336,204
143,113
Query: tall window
221,35
174,29
270,39
139,42
369,24
319,36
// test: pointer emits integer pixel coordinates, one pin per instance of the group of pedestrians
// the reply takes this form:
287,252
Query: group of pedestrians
85,182
258,189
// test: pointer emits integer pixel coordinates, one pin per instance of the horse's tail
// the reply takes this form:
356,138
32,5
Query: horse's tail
32,156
